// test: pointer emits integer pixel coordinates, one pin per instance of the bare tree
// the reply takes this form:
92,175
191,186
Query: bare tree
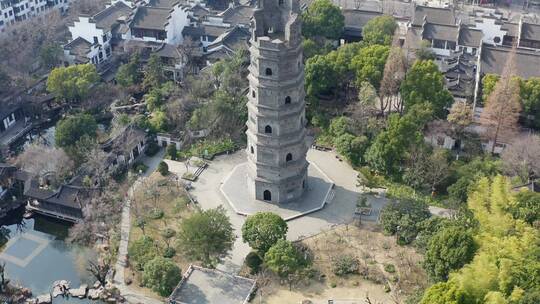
263,280
191,55
96,164
368,300
48,162
522,157
427,169
100,215
21,44
460,117
436,169
178,111
102,96
501,113
393,75
151,190
168,235
86,7
99,271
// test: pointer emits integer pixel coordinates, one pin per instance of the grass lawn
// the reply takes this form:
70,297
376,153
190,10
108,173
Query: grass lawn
386,271
160,193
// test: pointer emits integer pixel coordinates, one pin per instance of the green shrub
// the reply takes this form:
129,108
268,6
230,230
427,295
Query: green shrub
169,252
211,148
152,149
345,264
403,192
362,202
163,168
254,262
156,214
139,167
390,268
180,203
284,258
161,275
262,230
119,174
141,251
171,151
189,176
403,218
369,179
199,163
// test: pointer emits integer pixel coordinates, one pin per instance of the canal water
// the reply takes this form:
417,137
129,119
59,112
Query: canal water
36,256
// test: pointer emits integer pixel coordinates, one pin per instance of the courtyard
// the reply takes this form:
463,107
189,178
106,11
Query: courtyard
234,190
339,209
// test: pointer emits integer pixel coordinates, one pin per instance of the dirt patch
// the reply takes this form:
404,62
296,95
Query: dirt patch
384,271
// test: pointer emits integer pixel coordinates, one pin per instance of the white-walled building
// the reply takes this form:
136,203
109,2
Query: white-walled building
158,24
92,36
12,11
80,51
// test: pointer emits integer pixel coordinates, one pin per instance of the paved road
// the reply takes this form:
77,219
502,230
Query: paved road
125,226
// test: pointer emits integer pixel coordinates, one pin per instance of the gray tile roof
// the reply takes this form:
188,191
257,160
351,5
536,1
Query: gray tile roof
6,110
214,31
193,31
199,11
169,51
530,31
152,18
357,19
164,3
433,15
78,43
79,47
234,39
511,29
238,15
126,141
493,60
440,32
470,37
107,18
6,170
67,196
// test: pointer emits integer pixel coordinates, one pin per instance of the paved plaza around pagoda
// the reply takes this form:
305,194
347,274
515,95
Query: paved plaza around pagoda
318,193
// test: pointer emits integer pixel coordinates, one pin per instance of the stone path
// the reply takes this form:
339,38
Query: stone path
129,293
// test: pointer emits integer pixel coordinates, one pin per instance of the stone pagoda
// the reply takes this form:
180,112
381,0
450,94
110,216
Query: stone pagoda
276,134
